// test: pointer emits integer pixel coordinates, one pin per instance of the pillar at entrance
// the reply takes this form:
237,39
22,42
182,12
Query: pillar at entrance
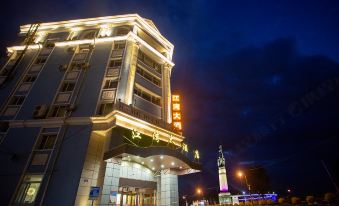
111,183
169,195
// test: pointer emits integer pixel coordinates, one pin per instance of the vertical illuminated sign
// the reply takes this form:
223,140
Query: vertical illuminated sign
176,113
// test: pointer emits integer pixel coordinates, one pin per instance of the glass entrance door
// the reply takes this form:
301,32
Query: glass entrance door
129,196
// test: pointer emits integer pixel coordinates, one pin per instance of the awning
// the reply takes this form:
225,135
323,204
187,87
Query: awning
155,158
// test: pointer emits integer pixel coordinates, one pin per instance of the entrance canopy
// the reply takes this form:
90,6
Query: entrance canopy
155,158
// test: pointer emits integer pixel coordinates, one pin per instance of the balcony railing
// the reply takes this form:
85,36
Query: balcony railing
153,70
117,53
135,112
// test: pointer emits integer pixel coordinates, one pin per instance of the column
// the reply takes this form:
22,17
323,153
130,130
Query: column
127,76
111,181
166,91
169,195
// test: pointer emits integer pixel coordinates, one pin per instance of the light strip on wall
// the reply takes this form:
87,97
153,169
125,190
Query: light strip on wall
99,20
149,47
147,126
18,48
98,40
91,41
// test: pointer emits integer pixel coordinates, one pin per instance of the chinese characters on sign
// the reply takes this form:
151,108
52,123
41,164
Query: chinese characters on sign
156,136
135,134
176,113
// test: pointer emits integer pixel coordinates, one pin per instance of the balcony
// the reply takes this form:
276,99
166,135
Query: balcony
135,112
117,53
149,68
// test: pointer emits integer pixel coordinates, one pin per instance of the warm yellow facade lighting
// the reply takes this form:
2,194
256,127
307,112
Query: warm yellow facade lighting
158,54
176,112
119,19
19,48
175,98
176,107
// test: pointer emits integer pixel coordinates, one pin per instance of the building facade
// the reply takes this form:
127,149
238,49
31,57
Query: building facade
86,108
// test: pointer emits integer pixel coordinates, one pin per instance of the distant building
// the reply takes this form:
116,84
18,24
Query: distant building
86,108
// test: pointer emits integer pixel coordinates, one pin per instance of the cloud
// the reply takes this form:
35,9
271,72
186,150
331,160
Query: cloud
219,91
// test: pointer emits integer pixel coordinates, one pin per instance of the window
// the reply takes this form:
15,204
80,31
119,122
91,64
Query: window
87,34
110,84
28,189
16,100
105,108
148,76
75,67
59,111
147,96
122,31
46,141
67,87
119,45
81,55
150,62
49,44
115,63
29,78
41,60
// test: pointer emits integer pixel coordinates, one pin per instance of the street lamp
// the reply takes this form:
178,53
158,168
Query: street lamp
240,175
199,191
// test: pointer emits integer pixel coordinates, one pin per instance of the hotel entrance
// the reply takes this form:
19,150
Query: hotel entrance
131,196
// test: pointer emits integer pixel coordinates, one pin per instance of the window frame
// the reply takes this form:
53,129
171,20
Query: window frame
56,111
43,139
25,185
103,107
147,96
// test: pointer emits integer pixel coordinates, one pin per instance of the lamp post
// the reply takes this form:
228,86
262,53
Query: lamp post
241,174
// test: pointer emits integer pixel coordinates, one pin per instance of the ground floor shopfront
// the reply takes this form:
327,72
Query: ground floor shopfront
133,176
136,196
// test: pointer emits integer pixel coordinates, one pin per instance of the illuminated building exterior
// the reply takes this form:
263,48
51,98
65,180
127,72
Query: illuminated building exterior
88,103
224,195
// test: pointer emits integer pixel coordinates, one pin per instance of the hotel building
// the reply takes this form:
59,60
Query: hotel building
87,116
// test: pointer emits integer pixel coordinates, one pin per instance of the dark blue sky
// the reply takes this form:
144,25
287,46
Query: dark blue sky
260,77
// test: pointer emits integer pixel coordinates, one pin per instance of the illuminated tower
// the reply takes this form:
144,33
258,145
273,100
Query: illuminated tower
224,195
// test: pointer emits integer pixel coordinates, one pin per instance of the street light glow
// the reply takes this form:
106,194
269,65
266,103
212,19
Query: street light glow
199,191
240,174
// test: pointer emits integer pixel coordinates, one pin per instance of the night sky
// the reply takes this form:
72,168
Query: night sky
259,77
